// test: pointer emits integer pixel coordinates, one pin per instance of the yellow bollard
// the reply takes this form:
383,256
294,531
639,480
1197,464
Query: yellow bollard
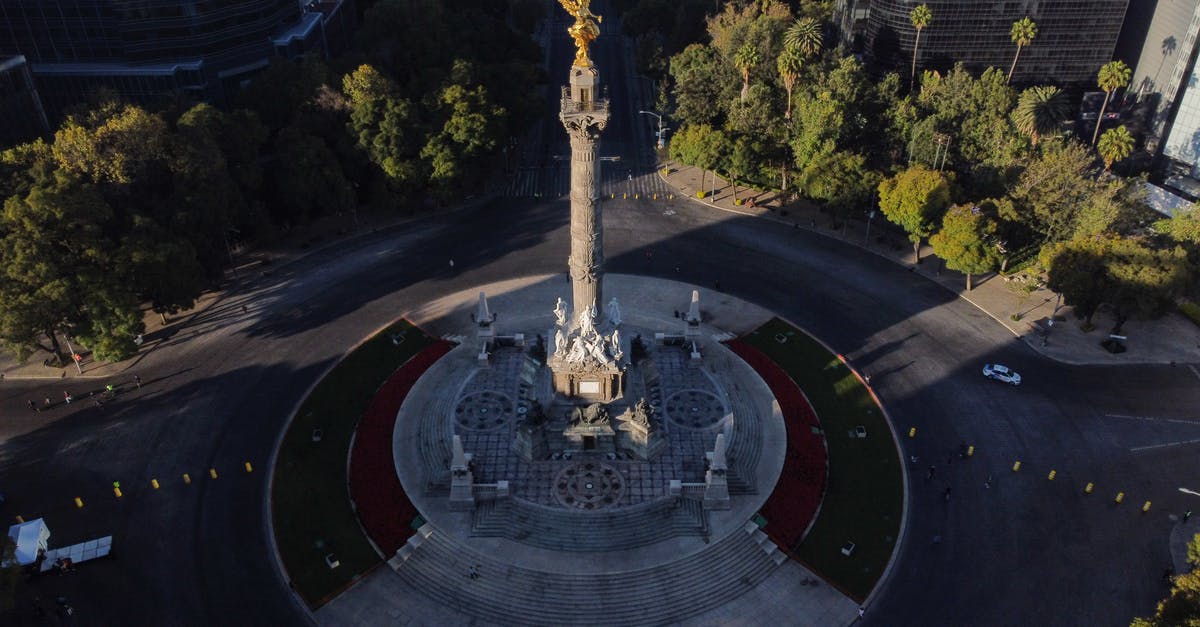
187,479
671,197
1087,489
611,196
637,196
117,491
625,196
912,433
971,450
249,468
1146,506
20,521
1120,497
656,197
1016,466
212,472
78,502
1052,474
154,482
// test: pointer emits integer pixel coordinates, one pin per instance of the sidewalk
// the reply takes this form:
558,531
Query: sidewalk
1170,339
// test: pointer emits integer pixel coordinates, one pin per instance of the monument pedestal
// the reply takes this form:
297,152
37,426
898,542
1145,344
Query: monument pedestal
592,380
591,430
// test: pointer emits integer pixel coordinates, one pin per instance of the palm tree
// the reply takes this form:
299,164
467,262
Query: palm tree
805,36
1023,32
1115,144
1040,110
745,60
1113,76
921,16
789,63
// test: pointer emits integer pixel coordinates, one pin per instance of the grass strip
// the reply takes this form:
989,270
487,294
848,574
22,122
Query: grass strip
310,500
863,501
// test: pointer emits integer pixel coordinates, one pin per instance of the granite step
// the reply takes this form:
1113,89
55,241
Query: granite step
506,594
565,530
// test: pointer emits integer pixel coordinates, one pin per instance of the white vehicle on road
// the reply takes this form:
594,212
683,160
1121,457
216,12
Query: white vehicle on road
1001,373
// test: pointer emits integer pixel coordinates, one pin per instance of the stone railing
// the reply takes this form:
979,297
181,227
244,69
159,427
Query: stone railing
570,105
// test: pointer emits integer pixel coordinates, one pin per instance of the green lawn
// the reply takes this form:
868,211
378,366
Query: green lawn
863,502
310,499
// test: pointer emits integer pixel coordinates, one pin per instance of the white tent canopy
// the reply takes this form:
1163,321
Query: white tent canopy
29,537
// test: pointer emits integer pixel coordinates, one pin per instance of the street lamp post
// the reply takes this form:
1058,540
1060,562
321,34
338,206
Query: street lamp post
661,128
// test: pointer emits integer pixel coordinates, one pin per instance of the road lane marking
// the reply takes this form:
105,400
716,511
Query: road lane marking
1194,371
1182,421
1169,444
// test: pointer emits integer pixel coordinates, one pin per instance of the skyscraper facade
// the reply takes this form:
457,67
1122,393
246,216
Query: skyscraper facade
145,49
1075,37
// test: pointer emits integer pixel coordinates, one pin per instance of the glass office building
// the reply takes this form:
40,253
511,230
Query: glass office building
1075,37
147,49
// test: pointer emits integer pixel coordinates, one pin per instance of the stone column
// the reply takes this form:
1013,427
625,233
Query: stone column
584,115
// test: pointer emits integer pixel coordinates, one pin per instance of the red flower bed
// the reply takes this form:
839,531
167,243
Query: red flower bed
383,508
793,502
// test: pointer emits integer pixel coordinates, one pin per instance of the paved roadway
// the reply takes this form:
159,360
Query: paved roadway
218,391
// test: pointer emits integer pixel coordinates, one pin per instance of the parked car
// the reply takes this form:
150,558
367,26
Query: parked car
1004,374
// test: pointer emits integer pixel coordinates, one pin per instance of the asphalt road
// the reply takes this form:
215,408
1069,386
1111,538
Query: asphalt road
219,389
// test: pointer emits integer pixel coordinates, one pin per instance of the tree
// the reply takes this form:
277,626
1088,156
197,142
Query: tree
1183,227
967,241
743,158
1023,33
1136,279
1112,76
1076,269
803,36
745,60
1144,282
1115,144
789,64
842,180
702,84
1040,111
921,17
700,145
1053,188
914,200
112,145
61,272
1181,608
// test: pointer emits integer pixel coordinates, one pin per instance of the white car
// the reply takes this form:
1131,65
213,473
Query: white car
1001,373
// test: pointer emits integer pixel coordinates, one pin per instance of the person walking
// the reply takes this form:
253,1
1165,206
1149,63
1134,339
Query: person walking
1187,515
137,381
67,397
34,407
932,471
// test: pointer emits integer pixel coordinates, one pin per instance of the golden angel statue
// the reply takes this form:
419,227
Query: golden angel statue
584,31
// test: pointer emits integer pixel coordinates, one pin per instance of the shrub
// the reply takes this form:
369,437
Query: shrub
739,202
700,193
1191,310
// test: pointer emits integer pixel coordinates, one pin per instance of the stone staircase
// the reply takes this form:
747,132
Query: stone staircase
435,436
579,532
504,594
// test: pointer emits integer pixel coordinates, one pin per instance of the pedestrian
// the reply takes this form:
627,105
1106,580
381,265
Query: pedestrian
137,381
34,407
474,572
932,469
867,379
451,264
244,309
67,397
947,495
861,611
988,484
1187,515
46,402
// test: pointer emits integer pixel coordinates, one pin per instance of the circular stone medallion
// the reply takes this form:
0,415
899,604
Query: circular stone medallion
589,486
694,409
483,411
